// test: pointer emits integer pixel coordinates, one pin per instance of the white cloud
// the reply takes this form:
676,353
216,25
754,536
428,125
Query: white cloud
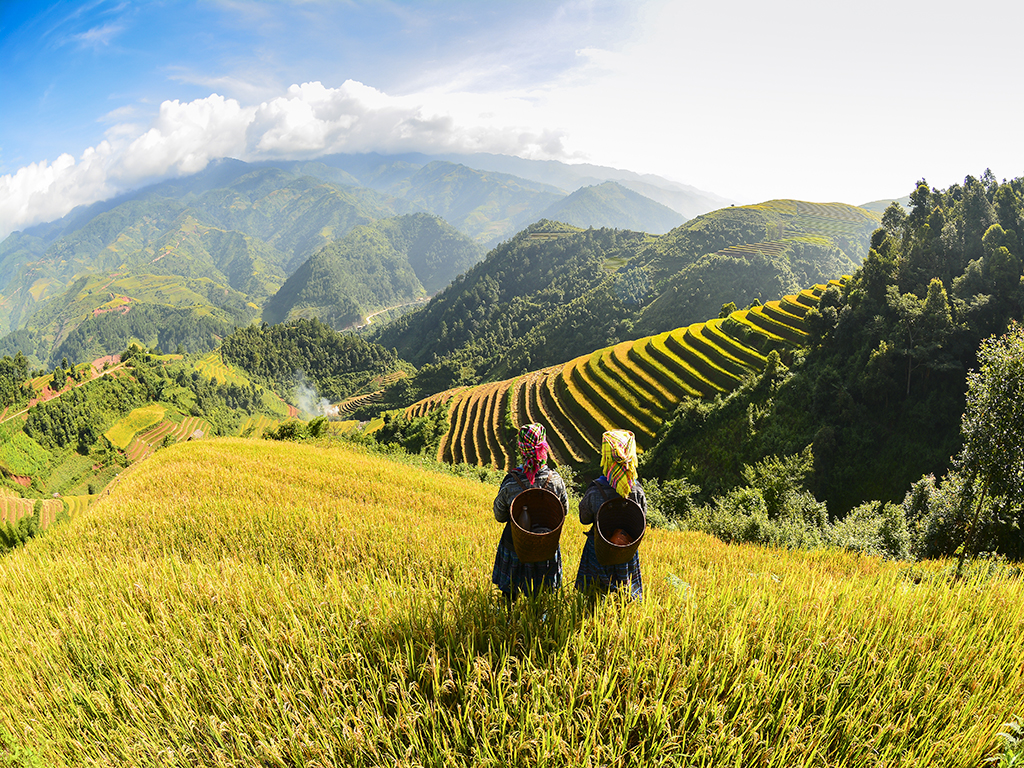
308,120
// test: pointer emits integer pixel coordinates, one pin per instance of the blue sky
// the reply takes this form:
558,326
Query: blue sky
749,100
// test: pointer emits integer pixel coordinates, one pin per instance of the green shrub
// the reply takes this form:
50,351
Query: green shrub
874,528
670,501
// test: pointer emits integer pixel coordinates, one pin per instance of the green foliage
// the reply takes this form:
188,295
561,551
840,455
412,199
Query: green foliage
993,434
389,262
669,501
13,375
297,430
874,528
21,454
279,356
13,755
419,435
165,328
1012,753
27,527
880,391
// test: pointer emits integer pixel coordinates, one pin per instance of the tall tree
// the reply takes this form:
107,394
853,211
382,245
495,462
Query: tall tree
992,457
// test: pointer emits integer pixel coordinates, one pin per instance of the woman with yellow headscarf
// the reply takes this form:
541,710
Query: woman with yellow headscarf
619,465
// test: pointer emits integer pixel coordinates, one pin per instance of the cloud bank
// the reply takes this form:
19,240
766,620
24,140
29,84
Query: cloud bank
307,121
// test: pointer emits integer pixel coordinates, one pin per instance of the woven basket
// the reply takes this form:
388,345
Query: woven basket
613,514
536,507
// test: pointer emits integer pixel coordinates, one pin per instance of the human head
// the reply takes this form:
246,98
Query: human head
618,459
533,447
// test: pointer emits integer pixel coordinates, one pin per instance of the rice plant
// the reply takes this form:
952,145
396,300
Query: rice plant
234,602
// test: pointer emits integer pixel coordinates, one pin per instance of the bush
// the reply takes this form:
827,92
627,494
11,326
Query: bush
669,502
874,528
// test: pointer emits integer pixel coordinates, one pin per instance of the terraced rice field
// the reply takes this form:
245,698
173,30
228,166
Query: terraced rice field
145,443
213,366
75,505
140,419
359,401
254,425
633,385
12,509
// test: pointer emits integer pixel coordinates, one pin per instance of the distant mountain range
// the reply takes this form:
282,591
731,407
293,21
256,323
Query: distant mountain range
244,236
179,264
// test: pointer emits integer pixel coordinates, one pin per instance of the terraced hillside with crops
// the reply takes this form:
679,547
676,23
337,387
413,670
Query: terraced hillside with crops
632,385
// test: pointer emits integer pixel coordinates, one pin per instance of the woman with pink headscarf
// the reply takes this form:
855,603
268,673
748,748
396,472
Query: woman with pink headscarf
619,465
511,575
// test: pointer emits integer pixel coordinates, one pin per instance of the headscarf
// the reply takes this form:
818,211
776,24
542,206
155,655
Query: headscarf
533,447
618,460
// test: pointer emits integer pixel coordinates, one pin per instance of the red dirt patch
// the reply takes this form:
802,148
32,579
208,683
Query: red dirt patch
97,364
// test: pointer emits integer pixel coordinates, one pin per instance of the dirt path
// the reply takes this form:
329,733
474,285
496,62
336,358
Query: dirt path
369,318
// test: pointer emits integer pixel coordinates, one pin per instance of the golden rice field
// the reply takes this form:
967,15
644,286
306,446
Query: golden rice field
213,367
632,385
122,433
241,603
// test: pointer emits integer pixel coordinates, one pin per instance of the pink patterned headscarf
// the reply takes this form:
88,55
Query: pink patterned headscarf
533,447
618,460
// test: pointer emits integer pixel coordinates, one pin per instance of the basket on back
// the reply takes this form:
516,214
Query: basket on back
532,509
614,518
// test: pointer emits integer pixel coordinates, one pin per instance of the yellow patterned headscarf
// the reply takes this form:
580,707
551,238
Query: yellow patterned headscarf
618,460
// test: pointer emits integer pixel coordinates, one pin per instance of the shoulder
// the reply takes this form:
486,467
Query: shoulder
513,477
547,476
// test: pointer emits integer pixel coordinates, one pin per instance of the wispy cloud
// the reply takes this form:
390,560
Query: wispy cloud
100,36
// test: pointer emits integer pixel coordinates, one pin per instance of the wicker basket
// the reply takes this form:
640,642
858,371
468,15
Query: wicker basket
531,508
612,515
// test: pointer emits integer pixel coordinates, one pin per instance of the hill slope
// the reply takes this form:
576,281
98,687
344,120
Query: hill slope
634,385
553,292
392,261
613,205
281,609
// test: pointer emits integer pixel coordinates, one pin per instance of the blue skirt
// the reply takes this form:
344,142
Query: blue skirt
592,576
512,576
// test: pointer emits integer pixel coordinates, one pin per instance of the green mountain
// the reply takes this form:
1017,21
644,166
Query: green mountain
531,302
246,228
217,244
390,262
490,197
486,206
681,198
750,253
553,292
612,205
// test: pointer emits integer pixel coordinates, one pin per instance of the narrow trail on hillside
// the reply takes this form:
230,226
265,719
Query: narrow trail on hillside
36,400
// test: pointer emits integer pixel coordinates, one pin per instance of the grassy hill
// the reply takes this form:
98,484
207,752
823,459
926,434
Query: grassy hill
236,602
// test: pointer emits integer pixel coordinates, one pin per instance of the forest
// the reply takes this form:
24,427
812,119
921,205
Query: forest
280,356
876,402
